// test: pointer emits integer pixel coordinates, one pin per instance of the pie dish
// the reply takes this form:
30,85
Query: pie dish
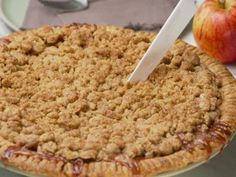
67,111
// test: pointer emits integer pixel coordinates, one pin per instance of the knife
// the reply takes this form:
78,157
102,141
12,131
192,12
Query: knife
175,24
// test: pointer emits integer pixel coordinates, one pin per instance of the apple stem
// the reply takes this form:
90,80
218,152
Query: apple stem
222,3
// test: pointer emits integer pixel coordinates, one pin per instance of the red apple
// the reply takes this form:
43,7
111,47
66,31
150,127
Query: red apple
214,29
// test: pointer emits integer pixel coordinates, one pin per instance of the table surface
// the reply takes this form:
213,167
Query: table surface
223,165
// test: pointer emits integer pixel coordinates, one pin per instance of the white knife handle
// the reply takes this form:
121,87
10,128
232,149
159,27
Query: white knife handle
174,25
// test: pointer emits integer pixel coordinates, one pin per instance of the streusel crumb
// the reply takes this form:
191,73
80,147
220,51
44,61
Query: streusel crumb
64,90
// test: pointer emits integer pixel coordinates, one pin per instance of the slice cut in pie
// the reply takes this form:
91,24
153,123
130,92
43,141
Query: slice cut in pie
66,109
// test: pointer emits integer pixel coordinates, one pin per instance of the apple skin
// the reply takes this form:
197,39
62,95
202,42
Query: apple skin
214,29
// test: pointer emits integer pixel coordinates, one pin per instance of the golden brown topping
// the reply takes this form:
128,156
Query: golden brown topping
64,89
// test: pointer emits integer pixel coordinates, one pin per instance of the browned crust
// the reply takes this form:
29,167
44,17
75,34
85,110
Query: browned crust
56,167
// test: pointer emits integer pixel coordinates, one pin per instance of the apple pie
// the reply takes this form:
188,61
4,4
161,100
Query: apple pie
66,109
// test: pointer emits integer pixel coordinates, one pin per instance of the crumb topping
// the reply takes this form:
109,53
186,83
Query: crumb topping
63,91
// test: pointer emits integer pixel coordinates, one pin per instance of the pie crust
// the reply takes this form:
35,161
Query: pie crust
66,110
